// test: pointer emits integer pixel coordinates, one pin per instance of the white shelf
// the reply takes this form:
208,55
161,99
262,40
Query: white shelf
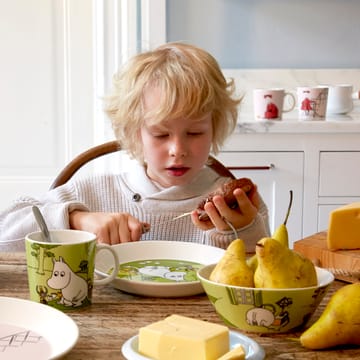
332,124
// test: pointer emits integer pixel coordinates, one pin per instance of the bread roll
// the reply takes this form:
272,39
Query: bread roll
226,190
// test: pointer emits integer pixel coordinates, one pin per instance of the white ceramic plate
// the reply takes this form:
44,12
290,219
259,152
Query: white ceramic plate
252,349
29,330
159,268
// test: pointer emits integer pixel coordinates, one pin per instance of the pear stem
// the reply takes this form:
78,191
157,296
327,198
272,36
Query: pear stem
289,207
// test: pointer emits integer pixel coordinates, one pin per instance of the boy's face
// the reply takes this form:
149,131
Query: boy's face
176,149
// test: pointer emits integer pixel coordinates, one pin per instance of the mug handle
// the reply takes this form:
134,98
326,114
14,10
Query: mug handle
111,277
292,102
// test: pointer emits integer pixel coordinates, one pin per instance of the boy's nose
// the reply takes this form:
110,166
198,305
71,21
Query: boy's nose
177,149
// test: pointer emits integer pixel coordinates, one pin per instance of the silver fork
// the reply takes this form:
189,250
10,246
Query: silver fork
173,219
202,216
146,228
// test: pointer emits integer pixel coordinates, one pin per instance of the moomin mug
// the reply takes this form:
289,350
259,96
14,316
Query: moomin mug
270,104
61,273
312,102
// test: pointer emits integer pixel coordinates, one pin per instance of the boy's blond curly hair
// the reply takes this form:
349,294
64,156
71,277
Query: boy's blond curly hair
192,83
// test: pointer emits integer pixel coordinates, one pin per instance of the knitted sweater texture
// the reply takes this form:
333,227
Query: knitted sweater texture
132,192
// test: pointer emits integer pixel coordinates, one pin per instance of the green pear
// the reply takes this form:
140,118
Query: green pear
339,324
281,233
280,267
232,268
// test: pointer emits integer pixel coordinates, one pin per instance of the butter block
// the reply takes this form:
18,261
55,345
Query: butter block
344,227
237,353
179,337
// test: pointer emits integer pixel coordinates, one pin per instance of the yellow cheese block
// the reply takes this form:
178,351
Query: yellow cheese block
237,353
344,227
178,337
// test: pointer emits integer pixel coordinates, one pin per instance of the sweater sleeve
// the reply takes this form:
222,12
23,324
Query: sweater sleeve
18,220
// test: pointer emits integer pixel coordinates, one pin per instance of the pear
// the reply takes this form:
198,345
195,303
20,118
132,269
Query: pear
252,262
232,268
281,232
280,267
339,324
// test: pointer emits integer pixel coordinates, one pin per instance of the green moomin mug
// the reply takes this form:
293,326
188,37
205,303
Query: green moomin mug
61,273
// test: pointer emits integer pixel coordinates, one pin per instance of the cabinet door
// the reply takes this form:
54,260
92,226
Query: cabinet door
275,173
339,173
339,178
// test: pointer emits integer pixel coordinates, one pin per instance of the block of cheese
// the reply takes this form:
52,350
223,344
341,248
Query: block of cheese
344,227
179,337
238,353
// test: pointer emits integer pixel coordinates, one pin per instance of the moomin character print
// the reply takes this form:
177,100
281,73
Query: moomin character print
162,271
73,287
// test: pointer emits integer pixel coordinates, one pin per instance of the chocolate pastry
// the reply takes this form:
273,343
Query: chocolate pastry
226,190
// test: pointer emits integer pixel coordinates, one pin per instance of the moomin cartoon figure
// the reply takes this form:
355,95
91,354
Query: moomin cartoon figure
73,287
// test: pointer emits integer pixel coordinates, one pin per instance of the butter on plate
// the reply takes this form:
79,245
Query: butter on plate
238,353
179,337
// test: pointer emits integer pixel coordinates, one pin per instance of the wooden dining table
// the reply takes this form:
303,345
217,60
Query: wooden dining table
115,316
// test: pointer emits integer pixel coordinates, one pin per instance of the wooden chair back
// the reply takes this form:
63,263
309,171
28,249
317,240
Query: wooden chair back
109,147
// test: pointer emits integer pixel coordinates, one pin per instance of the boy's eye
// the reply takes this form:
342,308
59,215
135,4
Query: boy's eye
159,135
195,133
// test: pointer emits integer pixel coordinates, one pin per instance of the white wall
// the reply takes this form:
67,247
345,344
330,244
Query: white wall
270,33
46,91
57,60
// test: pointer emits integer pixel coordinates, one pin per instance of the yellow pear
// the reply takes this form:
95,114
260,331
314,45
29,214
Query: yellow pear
232,268
339,324
252,262
280,267
281,233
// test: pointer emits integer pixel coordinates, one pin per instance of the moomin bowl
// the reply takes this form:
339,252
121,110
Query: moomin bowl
265,310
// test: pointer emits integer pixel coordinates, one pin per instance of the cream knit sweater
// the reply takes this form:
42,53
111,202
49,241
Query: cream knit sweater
131,192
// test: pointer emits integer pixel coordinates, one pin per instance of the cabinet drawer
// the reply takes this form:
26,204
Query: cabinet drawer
339,173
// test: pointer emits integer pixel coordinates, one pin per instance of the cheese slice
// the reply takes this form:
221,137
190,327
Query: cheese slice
344,227
178,337
237,353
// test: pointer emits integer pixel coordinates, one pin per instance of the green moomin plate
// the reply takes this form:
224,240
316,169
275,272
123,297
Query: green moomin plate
159,268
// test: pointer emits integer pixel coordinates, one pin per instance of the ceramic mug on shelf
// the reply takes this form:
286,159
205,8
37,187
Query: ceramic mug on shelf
312,102
269,103
340,99
61,273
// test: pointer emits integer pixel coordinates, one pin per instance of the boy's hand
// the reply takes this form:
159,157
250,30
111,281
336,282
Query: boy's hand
217,210
110,228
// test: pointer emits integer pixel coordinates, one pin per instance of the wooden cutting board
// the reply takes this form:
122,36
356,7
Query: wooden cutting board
344,264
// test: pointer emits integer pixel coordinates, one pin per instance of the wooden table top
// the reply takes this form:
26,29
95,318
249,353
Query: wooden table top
115,316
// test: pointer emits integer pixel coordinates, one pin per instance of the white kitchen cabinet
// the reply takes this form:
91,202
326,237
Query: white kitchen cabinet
319,161
275,173
339,173
339,182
